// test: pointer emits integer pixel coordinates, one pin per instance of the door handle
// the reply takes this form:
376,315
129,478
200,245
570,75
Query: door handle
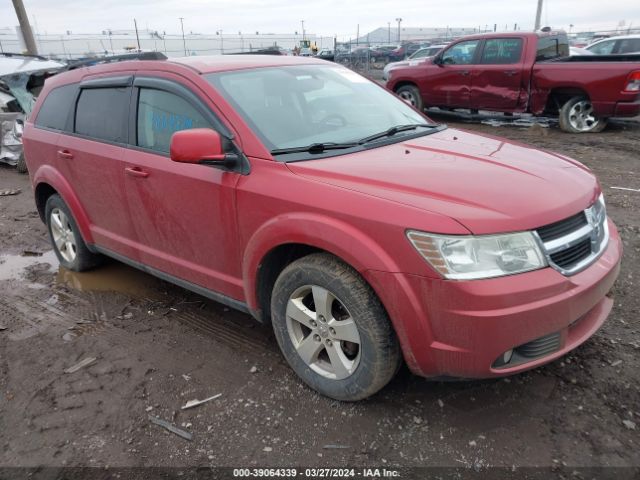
66,154
464,73
510,73
136,172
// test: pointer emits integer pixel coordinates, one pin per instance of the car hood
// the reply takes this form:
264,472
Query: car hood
487,184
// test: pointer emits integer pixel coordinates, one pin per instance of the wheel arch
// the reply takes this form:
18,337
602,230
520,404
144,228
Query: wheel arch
285,239
48,181
558,96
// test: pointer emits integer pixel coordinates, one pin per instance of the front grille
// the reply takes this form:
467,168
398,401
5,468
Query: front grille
572,255
539,347
574,243
563,227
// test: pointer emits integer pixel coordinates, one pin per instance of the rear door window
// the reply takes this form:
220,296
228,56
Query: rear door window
160,115
603,48
502,51
55,109
629,45
102,114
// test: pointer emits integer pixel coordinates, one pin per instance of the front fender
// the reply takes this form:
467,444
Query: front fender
46,174
337,237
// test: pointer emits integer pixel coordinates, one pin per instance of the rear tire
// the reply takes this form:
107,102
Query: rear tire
411,95
66,239
577,116
332,329
21,166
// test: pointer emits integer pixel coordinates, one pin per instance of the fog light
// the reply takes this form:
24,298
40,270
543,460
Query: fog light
506,356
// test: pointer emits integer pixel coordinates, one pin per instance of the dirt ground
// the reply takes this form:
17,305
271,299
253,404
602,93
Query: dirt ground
158,346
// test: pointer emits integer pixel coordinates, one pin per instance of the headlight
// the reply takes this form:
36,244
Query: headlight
467,257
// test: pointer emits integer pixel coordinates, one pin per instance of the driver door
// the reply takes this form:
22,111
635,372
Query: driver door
449,85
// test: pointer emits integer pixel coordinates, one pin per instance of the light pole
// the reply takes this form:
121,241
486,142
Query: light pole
302,22
184,42
111,42
399,20
570,27
389,31
219,32
538,15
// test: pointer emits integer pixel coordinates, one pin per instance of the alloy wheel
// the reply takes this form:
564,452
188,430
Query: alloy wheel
323,332
63,237
581,116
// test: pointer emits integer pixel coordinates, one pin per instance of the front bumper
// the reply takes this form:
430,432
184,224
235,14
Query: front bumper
459,328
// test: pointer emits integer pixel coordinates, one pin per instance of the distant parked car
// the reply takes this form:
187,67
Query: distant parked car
382,52
579,51
419,55
326,54
616,45
406,50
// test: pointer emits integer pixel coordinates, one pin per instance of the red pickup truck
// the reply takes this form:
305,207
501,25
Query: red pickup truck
524,73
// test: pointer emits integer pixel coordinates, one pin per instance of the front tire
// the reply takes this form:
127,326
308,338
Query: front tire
67,242
411,95
332,329
577,116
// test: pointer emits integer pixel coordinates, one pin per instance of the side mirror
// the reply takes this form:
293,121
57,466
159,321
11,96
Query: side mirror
200,145
437,60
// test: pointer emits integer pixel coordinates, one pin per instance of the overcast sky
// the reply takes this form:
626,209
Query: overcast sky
324,17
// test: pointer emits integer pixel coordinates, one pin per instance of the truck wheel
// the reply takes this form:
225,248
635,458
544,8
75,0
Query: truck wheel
577,116
332,328
21,166
411,95
67,242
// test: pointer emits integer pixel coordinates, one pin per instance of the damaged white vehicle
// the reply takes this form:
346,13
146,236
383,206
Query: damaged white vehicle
21,79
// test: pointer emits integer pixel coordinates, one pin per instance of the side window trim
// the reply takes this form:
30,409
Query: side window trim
186,94
106,84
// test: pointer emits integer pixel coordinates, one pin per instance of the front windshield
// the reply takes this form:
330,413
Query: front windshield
294,106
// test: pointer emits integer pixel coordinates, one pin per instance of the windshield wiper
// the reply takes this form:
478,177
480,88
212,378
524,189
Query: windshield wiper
315,148
398,128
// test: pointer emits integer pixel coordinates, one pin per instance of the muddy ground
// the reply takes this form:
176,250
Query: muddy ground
158,346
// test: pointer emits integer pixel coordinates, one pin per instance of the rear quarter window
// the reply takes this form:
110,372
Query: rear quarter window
102,114
552,47
55,109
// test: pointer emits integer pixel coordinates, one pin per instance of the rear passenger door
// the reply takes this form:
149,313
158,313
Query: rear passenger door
497,80
184,214
91,158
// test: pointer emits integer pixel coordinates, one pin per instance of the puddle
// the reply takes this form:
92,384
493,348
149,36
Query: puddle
112,276
12,267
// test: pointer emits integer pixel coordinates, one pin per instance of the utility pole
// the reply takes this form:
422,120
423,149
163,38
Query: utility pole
399,20
302,22
184,42
135,24
25,27
389,30
538,15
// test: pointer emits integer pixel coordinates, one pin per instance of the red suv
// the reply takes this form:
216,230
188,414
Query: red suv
300,192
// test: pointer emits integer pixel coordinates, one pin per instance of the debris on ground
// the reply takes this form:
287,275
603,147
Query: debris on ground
172,428
81,364
253,369
616,363
441,403
2,328
10,191
195,403
629,424
627,189
336,447
267,449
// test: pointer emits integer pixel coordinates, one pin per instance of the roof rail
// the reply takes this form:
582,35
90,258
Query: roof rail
87,62
11,54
